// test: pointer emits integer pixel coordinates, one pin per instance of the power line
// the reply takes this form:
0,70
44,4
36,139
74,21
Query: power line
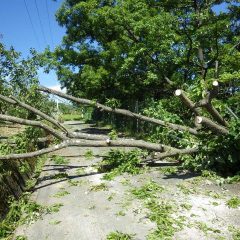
40,21
49,24
33,29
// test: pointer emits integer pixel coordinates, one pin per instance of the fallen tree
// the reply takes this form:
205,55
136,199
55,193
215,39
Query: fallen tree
68,138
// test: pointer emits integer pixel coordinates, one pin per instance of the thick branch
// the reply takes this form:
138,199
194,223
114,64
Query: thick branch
176,152
32,123
207,104
180,93
211,125
120,111
86,136
15,101
35,153
88,143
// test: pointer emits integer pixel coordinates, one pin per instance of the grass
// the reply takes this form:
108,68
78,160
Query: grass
71,117
75,183
59,160
99,187
60,175
186,206
54,208
235,232
23,211
205,228
233,202
120,213
111,196
88,154
21,237
61,194
54,222
186,189
119,236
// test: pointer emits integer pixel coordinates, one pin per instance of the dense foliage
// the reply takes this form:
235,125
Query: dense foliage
19,78
134,54
118,49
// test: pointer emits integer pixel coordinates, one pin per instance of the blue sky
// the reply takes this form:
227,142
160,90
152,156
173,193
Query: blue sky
17,30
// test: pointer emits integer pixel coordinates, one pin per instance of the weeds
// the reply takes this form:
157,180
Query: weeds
233,202
119,236
120,213
54,208
21,212
59,160
54,222
99,187
88,154
21,237
235,232
186,206
205,228
61,194
76,183
186,190
60,176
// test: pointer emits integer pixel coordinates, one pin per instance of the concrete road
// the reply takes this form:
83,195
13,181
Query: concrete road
91,211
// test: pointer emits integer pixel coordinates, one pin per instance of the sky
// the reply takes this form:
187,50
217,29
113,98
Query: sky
27,24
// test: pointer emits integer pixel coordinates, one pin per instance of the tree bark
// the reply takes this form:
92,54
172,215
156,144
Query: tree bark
211,125
15,101
120,111
100,143
32,123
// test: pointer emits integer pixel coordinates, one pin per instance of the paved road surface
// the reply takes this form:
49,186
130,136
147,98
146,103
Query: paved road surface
87,214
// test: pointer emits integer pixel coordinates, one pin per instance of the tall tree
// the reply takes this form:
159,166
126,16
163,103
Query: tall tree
121,49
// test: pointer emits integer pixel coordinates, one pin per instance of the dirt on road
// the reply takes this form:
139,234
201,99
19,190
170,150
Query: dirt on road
92,208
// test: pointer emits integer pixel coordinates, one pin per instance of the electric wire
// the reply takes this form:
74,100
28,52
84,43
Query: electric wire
40,21
31,22
49,24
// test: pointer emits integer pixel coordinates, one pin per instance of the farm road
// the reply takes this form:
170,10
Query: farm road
92,207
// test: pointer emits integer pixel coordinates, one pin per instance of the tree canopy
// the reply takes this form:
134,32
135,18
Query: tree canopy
122,49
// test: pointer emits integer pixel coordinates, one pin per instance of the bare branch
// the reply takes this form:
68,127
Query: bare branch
88,143
35,153
119,111
176,152
211,125
15,101
32,123
207,104
180,93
